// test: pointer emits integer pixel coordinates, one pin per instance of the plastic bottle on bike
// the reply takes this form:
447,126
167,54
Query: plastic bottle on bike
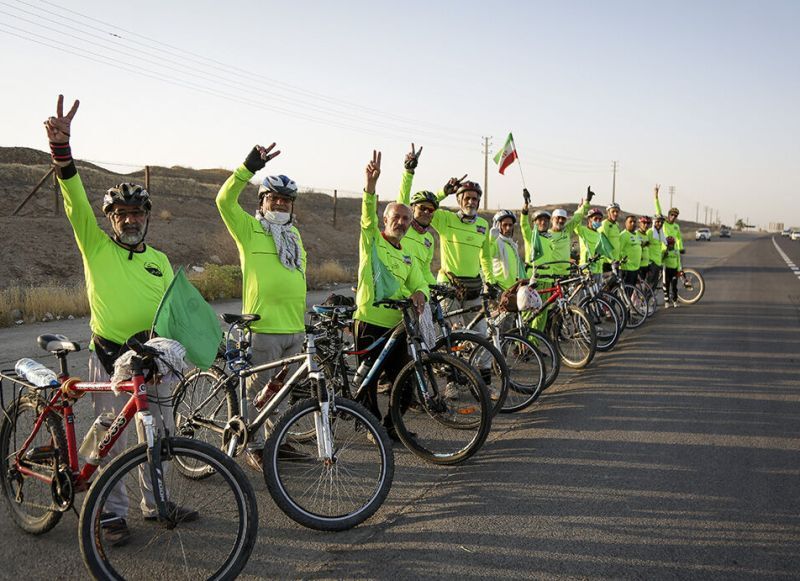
273,386
35,373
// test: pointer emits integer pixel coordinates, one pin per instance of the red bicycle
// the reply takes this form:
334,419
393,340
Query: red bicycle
41,473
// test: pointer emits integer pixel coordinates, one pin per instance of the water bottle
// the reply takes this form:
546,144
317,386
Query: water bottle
36,373
273,386
94,436
361,373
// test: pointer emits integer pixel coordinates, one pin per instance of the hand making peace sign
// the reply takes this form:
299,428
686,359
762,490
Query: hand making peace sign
373,172
58,127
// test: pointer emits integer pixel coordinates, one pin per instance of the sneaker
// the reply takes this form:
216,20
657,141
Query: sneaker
451,391
178,513
254,460
674,304
666,304
494,393
115,530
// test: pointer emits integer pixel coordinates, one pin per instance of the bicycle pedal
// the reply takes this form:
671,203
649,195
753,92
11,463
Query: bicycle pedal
41,453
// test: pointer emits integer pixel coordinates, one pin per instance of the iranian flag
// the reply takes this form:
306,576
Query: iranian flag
506,156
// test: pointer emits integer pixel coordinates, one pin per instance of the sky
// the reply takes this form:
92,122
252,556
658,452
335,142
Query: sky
703,96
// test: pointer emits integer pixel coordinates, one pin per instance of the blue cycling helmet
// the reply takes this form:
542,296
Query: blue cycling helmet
281,185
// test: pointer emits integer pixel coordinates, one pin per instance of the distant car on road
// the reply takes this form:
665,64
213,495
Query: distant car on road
724,232
786,232
795,235
703,234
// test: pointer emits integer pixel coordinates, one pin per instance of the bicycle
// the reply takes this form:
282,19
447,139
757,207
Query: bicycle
691,286
526,376
41,474
341,465
636,304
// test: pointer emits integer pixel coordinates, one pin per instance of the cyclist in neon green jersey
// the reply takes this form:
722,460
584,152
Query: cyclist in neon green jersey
610,228
630,251
589,238
507,265
644,265
658,242
418,241
273,262
125,281
671,226
672,270
385,270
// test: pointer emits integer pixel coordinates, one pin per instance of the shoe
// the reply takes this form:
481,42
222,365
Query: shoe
451,391
115,530
384,387
393,434
254,460
288,452
674,304
494,393
178,513
666,304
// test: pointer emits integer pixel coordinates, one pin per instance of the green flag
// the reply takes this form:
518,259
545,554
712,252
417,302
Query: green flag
537,250
604,247
186,317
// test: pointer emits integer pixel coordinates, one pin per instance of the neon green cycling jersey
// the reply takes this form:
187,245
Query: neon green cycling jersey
612,232
546,246
391,261
630,247
561,242
269,289
589,239
420,245
123,294
658,243
645,241
672,258
515,269
465,246
673,230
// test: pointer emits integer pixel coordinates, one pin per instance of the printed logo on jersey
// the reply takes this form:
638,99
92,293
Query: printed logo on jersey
428,243
481,229
407,259
153,269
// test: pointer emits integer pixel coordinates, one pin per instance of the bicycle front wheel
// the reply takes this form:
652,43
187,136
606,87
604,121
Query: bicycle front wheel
526,372
440,409
203,403
214,543
574,336
637,305
605,322
691,287
329,494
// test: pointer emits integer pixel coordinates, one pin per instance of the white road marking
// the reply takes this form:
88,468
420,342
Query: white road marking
790,264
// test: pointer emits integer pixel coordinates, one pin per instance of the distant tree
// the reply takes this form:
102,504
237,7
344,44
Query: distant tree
740,225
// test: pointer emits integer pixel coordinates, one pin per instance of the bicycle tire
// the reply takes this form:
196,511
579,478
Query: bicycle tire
191,416
228,496
649,296
482,349
637,311
550,357
38,515
437,429
619,309
524,361
600,311
575,338
698,286
329,496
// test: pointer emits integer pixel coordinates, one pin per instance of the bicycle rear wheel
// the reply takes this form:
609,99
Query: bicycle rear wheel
336,494
203,403
526,372
619,308
574,336
605,322
440,409
29,500
547,351
650,297
214,545
637,305
691,287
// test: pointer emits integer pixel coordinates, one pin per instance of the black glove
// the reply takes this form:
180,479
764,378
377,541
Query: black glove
411,161
589,194
254,161
526,195
683,251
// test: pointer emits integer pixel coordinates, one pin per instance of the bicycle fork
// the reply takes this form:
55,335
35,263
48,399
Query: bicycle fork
322,418
154,463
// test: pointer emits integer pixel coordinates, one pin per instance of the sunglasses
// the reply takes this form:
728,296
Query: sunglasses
426,209
121,215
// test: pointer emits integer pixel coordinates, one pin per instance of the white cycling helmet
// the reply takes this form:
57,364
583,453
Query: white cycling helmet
281,185
560,213
503,214
541,214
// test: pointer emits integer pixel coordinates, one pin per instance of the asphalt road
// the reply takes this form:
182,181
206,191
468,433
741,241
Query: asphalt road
675,456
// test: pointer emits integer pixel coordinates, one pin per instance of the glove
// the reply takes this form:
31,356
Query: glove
526,195
589,194
683,251
411,161
450,186
254,162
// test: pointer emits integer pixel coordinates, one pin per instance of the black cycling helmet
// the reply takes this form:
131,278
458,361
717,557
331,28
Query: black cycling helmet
281,185
424,196
126,193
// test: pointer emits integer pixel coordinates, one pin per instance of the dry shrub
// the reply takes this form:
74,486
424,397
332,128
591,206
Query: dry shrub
218,281
165,215
36,303
330,271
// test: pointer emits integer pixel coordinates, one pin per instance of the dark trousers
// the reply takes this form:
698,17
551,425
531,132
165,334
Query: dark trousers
366,334
670,284
630,276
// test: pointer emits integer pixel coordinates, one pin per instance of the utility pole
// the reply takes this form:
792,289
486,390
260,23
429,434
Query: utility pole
486,172
671,194
705,220
697,212
614,181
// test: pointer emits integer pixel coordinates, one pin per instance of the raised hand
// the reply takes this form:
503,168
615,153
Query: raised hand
259,156
373,172
526,196
656,190
452,184
589,194
58,127
412,159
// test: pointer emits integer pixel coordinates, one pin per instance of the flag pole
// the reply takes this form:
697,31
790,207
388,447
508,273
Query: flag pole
519,163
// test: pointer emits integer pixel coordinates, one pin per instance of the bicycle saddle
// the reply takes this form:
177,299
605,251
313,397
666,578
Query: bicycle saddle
55,343
232,318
